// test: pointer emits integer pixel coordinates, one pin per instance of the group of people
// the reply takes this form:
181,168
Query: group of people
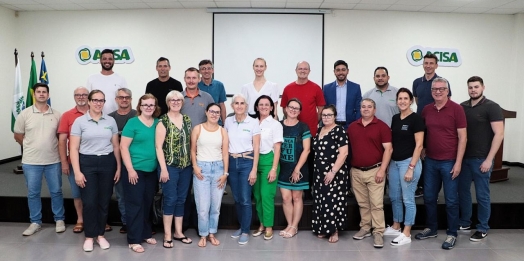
330,140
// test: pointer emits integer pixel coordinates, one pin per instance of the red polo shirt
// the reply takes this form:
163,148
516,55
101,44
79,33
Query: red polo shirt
66,122
366,141
441,130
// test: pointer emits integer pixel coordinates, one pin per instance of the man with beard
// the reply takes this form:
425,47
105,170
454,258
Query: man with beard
64,129
485,134
345,95
107,81
384,95
162,85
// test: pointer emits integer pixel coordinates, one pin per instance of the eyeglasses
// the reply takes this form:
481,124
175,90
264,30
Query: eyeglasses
327,115
300,176
293,108
98,100
176,100
83,95
147,105
123,97
441,89
214,112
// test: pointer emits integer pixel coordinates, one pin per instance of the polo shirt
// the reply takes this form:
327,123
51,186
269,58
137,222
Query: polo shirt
422,91
195,107
271,132
241,133
108,84
142,148
386,103
67,120
215,89
270,89
366,141
480,133
95,136
341,94
441,130
160,90
40,142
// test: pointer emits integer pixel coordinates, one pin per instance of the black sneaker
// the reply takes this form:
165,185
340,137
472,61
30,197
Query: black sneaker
465,229
478,236
419,192
123,229
425,234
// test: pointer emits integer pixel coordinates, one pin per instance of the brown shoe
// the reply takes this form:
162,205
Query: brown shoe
108,228
378,241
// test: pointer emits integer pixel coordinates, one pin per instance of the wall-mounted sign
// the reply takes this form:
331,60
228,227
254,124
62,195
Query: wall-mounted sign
447,57
85,54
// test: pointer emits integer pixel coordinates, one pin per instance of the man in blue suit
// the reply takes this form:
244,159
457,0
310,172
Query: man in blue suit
344,94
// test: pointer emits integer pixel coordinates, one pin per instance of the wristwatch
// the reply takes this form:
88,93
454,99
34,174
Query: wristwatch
227,174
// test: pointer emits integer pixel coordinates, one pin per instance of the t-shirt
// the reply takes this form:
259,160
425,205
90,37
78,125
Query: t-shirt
160,90
386,103
403,135
366,141
142,148
270,89
95,136
109,84
121,120
311,96
292,147
422,91
480,133
215,89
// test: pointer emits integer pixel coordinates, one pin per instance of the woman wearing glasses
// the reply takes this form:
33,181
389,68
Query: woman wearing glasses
138,155
330,185
95,157
209,154
172,140
293,176
260,86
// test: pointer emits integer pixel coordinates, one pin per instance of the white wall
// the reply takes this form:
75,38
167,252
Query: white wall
8,147
490,46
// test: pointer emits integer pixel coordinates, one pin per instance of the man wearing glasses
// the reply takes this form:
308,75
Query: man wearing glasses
122,115
107,81
162,85
445,146
213,87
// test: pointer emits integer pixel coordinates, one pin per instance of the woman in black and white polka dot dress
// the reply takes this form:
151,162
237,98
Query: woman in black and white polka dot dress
331,177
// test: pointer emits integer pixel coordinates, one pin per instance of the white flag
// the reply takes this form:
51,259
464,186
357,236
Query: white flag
18,96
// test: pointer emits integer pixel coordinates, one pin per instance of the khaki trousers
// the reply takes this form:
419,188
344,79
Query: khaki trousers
370,199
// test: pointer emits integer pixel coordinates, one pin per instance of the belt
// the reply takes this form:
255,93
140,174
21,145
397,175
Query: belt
370,167
246,155
341,123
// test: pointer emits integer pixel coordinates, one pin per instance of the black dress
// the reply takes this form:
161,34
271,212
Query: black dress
330,201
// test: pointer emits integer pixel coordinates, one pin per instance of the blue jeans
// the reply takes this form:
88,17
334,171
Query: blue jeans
75,189
401,190
471,172
239,169
175,190
120,194
437,174
33,180
208,197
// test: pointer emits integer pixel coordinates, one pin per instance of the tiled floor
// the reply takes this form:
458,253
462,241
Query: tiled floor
46,245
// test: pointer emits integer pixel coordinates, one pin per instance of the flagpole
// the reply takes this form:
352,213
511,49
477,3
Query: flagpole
18,169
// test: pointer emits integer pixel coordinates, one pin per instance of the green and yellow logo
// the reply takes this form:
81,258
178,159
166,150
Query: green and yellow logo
86,54
416,55
447,57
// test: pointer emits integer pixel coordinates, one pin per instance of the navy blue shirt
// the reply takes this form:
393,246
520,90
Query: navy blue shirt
422,91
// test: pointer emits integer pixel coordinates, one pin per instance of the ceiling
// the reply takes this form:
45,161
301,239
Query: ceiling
437,6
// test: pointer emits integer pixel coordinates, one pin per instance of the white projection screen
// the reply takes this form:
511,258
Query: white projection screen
281,39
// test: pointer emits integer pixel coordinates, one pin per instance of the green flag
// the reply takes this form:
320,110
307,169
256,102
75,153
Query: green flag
18,96
30,98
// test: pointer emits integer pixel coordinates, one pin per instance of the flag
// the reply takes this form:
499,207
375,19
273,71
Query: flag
30,98
18,96
44,78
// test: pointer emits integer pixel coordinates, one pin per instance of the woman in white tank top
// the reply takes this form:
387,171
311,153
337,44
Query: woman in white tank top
209,155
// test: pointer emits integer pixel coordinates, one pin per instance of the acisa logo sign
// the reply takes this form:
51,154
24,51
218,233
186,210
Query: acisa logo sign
447,57
86,54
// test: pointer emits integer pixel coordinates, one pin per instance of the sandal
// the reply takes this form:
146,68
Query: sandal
213,240
169,243
290,235
202,242
108,228
258,232
185,240
137,248
283,232
333,238
150,241
78,228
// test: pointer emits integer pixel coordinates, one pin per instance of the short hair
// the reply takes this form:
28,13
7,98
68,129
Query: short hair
431,56
257,112
173,94
332,108
369,100
161,59
308,66
295,100
476,79
93,92
124,89
211,105
204,62
440,79
80,88
239,95
148,96
39,84
260,59
381,68
340,62
107,51
406,90
191,69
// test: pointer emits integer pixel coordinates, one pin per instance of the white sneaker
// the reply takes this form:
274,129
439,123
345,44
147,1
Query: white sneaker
401,240
392,232
33,228
60,226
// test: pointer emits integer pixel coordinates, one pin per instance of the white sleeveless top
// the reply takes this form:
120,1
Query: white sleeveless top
209,145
